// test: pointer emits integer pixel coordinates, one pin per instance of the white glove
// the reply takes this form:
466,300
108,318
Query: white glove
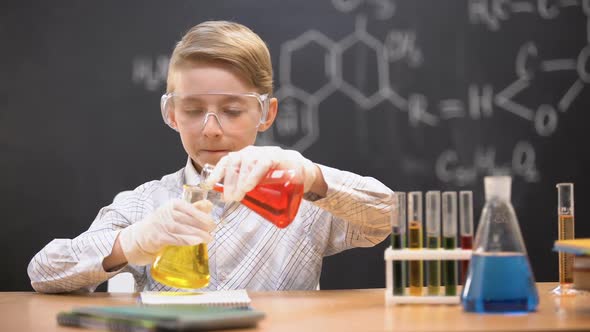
242,170
174,223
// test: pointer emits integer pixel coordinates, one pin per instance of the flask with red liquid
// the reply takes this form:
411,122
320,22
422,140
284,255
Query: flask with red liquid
276,197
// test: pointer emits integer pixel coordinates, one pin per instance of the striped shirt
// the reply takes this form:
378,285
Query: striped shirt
247,252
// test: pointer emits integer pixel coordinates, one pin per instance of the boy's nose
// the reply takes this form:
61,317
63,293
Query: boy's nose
212,128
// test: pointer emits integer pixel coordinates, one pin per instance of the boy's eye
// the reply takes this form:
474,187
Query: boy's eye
194,111
233,112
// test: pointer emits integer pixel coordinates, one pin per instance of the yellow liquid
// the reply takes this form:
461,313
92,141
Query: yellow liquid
182,266
566,261
416,269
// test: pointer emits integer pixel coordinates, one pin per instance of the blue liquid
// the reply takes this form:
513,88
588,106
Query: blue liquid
501,282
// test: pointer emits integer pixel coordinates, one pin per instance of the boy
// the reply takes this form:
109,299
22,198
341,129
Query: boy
219,96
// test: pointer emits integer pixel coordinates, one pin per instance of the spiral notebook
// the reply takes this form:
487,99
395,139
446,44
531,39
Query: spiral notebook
223,298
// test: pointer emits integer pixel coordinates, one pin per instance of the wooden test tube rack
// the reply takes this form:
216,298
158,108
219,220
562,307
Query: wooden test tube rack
424,255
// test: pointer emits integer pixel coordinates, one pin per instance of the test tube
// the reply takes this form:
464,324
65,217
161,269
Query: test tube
465,227
398,241
433,240
415,225
565,212
449,220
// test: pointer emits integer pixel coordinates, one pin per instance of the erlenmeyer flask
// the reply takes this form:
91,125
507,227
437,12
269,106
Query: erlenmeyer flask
500,278
185,266
276,197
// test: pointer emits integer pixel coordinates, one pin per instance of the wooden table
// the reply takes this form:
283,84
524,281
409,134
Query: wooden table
341,310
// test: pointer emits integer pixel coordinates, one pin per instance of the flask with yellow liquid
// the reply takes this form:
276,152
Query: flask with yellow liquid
185,266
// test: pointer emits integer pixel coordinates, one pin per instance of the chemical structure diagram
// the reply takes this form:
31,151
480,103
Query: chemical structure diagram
297,125
298,120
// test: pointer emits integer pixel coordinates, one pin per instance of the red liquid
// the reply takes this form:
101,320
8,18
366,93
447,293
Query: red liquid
466,243
276,197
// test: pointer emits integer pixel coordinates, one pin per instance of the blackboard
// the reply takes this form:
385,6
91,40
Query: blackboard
422,95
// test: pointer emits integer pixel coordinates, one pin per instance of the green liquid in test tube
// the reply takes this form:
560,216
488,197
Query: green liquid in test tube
433,241
415,225
449,220
398,241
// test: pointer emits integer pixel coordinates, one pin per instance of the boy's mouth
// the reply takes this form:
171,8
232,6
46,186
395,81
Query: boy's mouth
215,152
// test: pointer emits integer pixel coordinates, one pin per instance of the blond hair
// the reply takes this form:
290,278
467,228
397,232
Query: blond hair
227,42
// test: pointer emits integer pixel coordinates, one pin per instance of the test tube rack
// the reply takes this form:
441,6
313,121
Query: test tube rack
419,254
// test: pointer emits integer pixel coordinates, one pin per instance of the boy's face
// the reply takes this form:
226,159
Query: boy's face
207,143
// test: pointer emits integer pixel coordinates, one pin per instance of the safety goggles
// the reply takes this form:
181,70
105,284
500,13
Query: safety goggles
234,112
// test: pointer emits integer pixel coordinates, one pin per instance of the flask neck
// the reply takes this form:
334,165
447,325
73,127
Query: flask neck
206,172
497,188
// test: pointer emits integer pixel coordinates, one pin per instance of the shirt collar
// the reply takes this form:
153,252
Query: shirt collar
191,176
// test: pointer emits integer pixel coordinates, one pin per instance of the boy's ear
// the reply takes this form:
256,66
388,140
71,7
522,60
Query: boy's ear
273,107
172,119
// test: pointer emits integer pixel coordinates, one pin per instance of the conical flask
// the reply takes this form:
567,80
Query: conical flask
276,197
185,266
500,278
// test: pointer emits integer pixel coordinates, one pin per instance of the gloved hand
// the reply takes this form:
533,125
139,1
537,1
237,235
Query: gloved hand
174,223
242,170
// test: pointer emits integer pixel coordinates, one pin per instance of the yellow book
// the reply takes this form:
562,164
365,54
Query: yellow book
575,246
